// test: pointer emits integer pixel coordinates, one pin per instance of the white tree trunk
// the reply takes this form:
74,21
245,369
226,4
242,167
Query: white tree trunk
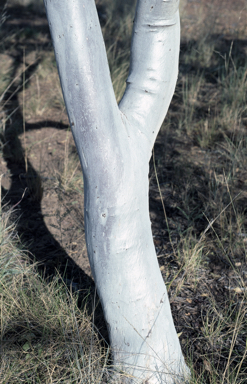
114,145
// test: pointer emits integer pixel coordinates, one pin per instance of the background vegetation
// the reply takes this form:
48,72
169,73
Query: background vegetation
52,327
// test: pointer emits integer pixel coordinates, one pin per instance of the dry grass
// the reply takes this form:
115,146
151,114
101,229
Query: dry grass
197,208
67,174
45,337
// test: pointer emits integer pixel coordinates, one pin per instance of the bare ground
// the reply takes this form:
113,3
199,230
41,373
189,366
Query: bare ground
41,176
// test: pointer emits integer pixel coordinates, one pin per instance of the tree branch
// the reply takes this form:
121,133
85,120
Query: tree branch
84,75
153,66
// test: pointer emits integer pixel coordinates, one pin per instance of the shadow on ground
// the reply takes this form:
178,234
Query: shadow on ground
25,193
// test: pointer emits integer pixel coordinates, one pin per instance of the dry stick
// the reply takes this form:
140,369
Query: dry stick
92,339
212,221
12,208
210,225
23,110
12,94
8,118
234,337
166,219
38,88
145,340
228,190
163,205
66,159
17,88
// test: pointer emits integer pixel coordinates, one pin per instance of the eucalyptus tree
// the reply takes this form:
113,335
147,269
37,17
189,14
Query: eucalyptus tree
114,143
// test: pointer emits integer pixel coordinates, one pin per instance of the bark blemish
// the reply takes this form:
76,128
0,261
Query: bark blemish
149,333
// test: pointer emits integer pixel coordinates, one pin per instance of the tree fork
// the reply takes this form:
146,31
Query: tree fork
114,145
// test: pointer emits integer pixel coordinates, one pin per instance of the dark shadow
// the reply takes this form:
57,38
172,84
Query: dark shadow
226,54
40,244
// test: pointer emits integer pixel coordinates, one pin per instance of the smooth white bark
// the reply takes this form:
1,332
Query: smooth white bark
114,145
